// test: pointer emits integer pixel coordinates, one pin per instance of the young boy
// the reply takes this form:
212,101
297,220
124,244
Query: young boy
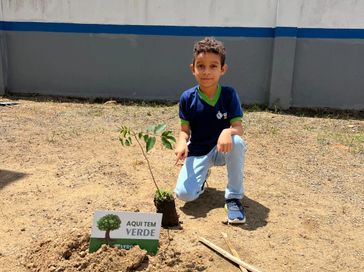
211,126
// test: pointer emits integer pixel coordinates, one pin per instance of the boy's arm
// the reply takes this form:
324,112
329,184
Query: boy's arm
237,128
181,149
224,143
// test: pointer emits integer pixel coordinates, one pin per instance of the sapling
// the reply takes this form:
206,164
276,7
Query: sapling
149,137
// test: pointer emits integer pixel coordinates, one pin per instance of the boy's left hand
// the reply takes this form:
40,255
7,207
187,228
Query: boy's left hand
224,143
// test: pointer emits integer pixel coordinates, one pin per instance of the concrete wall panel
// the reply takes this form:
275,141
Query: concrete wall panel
249,62
3,64
329,73
127,66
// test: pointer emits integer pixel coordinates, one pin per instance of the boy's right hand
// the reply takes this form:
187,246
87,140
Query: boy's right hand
181,151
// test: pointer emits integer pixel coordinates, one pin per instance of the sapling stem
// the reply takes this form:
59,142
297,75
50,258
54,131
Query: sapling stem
146,158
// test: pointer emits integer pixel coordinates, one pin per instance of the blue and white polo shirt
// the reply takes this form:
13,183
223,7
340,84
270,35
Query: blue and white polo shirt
208,117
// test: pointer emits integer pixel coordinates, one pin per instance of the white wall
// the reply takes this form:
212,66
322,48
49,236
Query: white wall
261,13
332,14
144,12
255,13
321,13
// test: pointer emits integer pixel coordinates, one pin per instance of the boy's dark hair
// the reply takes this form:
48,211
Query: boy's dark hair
209,45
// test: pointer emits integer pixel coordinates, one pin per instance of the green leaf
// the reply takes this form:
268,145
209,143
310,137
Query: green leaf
150,143
167,133
159,128
128,141
171,138
121,141
140,135
166,143
124,136
124,131
163,195
151,128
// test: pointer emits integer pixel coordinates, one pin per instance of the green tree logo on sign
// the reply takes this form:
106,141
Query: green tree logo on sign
108,223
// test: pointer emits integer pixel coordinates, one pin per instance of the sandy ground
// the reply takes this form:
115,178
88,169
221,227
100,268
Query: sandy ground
59,162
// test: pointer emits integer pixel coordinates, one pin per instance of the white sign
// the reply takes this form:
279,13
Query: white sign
125,230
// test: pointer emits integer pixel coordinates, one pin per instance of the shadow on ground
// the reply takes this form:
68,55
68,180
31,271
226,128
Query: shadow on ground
7,177
209,200
256,213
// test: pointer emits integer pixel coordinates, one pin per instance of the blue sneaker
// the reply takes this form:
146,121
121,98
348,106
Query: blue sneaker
235,211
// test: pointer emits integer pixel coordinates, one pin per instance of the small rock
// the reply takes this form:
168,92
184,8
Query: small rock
83,254
201,268
170,263
83,266
67,254
103,248
30,265
190,265
110,102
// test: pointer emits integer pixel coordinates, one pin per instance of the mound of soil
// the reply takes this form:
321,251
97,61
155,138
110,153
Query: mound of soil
69,252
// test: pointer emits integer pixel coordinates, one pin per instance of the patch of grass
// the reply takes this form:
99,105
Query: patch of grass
326,113
254,108
272,130
353,141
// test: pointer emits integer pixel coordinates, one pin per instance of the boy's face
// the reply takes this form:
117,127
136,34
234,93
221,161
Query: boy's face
207,70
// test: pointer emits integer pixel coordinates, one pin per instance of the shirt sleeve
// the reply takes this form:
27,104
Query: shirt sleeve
235,111
183,112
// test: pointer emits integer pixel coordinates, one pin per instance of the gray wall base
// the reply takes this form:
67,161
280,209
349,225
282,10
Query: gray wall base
3,66
280,93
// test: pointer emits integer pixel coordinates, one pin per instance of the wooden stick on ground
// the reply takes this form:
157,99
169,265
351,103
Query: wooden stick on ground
233,251
227,255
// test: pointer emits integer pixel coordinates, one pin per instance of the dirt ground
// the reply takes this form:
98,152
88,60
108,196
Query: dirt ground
59,162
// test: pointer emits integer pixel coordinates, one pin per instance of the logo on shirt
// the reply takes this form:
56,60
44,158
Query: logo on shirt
220,115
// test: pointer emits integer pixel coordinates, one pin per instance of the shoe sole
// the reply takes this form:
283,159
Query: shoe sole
236,221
